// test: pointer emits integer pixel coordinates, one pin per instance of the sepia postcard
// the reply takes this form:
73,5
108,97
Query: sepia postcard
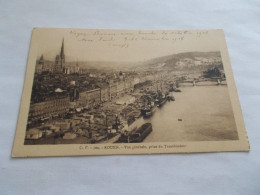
103,92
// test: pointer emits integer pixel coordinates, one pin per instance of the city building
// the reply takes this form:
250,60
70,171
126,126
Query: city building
89,98
112,90
105,93
71,69
54,107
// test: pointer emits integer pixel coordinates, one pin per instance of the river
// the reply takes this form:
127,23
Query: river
200,113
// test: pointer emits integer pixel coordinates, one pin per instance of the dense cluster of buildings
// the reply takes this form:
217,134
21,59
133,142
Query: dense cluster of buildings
61,103
74,93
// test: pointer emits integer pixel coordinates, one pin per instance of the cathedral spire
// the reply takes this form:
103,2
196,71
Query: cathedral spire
62,56
62,49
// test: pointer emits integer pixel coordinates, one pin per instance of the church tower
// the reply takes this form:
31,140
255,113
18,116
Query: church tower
62,55
60,59
40,65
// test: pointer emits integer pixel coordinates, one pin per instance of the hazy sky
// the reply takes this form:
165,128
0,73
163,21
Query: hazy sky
111,45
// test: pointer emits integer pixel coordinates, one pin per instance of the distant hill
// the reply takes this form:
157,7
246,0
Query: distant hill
185,61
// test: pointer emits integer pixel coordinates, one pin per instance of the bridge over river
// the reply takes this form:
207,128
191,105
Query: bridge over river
199,82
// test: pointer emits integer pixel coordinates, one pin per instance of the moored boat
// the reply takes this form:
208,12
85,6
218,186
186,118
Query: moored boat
148,111
161,102
137,135
170,98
